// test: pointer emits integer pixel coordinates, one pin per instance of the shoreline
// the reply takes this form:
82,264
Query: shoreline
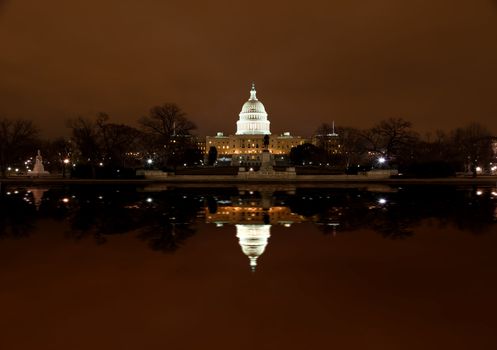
220,180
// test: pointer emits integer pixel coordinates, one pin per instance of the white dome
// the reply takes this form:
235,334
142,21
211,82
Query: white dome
253,106
253,117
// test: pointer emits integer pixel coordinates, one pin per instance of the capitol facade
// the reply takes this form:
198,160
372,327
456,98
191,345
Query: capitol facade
246,146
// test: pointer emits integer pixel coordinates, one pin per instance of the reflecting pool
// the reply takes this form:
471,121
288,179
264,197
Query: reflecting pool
248,267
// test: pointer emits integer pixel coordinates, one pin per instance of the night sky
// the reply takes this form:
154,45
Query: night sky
433,62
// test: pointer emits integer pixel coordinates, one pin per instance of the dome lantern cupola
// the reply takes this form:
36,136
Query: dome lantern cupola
253,93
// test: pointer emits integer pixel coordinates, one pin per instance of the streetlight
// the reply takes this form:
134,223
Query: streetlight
66,161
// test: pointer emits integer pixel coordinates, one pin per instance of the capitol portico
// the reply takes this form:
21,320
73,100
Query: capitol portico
246,146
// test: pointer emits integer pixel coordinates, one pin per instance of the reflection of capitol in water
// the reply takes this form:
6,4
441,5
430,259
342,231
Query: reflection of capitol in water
253,225
253,239
253,215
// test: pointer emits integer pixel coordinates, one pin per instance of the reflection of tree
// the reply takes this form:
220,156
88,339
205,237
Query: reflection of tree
392,225
167,223
99,212
402,211
17,216
165,220
166,236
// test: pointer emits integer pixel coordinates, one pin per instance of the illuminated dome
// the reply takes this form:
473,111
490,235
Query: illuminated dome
253,240
253,117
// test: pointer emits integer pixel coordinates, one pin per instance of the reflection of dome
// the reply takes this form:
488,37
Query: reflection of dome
253,117
253,240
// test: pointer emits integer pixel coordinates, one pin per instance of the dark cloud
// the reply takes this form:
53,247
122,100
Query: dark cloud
432,61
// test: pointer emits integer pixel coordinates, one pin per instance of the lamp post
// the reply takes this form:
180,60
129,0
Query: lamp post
66,161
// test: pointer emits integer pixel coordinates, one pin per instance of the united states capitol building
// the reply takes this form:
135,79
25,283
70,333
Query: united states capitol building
246,146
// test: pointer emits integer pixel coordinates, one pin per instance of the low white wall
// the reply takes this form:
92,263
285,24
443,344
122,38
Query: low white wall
152,174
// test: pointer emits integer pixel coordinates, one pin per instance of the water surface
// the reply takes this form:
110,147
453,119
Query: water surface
256,267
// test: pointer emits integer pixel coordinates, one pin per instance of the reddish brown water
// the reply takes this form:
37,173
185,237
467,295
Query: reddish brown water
355,291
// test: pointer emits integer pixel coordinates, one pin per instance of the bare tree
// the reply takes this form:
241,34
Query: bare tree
17,139
474,143
389,138
169,128
351,146
57,150
118,141
85,136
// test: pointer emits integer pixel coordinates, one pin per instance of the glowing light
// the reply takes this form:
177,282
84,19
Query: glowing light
479,192
381,160
382,201
149,200
149,161
66,161
65,200
478,169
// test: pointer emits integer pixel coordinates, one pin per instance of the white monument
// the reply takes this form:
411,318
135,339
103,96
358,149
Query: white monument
38,169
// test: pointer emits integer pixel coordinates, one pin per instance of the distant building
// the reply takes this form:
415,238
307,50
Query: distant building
493,164
329,141
246,146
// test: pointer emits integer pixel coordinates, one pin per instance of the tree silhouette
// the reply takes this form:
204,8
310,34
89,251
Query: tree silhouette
169,130
17,140
475,145
212,155
85,135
